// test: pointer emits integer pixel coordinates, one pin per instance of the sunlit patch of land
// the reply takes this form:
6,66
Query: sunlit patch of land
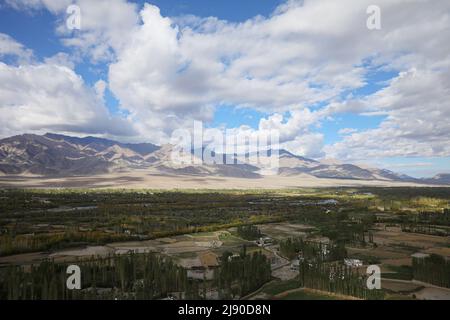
152,180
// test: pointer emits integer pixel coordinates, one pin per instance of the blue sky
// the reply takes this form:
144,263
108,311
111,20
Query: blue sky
338,100
36,30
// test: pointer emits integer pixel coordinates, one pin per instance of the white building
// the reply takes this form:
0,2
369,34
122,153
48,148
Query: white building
295,265
262,242
353,263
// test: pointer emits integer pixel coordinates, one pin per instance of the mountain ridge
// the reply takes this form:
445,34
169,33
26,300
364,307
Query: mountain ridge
60,155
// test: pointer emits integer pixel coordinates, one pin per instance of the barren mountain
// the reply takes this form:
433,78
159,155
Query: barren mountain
58,155
443,178
52,154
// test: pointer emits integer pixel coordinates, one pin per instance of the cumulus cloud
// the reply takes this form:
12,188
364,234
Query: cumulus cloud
254,64
52,5
299,121
12,48
100,87
48,96
298,66
346,131
61,59
105,28
417,107
307,53
295,130
105,24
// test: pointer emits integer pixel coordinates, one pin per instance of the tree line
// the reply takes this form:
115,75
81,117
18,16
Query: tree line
241,274
128,276
249,232
310,250
434,269
336,278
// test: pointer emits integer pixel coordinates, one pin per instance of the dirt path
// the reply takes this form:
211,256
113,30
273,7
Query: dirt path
416,282
314,291
428,292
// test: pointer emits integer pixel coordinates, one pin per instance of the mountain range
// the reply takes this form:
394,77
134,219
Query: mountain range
60,155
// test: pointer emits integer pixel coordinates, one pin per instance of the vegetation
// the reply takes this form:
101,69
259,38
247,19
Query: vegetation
132,276
305,294
433,269
240,275
337,279
249,232
293,247
49,220
277,287
337,221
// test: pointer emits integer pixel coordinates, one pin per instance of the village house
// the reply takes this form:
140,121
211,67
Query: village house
353,263
420,255
264,241
204,267
295,265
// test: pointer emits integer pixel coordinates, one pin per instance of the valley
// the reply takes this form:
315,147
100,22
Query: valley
207,236
58,161
154,179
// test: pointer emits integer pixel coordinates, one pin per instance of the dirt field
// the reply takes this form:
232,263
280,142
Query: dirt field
422,241
285,273
399,286
433,294
311,294
442,251
285,230
398,262
25,258
382,252
88,251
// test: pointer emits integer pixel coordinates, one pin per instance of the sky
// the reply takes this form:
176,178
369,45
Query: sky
312,69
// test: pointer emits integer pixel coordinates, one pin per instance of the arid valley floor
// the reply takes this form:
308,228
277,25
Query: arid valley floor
132,179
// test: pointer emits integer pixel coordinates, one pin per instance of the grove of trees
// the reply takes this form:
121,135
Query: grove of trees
128,276
249,232
434,269
240,275
336,278
291,247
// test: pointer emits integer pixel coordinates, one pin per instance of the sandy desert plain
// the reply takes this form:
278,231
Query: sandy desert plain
144,178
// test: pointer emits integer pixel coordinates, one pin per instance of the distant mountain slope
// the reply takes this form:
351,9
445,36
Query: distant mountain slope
53,154
59,155
100,144
443,178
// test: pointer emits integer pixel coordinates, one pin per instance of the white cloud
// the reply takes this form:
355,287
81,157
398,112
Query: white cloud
105,24
308,145
105,28
52,5
61,59
300,61
346,131
100,87
417,107
298,121
302,55
12,48
50,97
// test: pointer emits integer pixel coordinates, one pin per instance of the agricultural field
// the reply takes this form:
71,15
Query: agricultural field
292,244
